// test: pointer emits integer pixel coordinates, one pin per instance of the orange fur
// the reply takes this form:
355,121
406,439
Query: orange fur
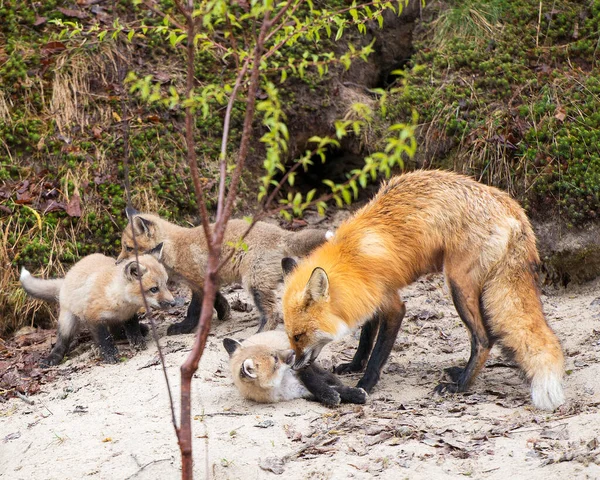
418,223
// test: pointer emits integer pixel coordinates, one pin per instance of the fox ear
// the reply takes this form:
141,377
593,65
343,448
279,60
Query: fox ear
288,265
231,345
157,252
141,225
317,287
133,270
131,212
248,368
287,356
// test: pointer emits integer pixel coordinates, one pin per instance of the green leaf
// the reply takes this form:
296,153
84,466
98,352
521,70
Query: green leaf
347,196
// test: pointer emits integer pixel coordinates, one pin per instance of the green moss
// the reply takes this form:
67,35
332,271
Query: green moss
518,98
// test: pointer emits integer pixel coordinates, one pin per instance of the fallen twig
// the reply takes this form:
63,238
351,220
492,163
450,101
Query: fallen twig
25,398
146,465
224,414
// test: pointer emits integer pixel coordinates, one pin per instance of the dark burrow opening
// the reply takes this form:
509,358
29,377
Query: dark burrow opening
337,167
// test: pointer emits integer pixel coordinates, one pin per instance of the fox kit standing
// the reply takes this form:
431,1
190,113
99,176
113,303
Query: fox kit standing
100,294
418,223
261,367
186,252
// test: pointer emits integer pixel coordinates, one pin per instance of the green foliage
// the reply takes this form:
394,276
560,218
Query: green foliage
515,90
290,49
303,45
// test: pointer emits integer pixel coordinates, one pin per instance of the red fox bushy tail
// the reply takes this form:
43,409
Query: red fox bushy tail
510,296
39,288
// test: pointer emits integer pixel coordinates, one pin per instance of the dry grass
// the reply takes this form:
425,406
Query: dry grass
5,116
73,101
16,310
468,19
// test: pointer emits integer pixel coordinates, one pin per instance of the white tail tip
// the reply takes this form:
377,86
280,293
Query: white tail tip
24,273
547,392
329,235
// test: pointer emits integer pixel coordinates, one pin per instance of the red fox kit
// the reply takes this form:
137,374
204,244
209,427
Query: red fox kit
420,222
100,294
185,254
261,368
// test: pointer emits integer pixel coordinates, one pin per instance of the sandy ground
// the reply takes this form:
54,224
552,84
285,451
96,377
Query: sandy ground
113,421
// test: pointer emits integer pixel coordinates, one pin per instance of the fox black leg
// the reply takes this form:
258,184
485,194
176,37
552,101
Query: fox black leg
480,342
58,352
365,344
67,329
118,330
105,342
347,394
265,304
316,384
134,334
390,321
192,317
222,307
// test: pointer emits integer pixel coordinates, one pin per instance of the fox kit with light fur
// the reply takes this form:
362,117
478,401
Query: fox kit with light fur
261,368
185,255
100,294
421,222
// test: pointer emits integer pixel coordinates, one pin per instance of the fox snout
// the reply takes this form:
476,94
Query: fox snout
309,354
306,358
166,303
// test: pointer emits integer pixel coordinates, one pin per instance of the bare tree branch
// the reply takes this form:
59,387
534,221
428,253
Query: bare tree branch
276,21
246,132
226,122
189,119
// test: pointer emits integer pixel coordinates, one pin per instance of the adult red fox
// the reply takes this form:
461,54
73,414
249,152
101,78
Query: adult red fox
421,222
100,294
186,252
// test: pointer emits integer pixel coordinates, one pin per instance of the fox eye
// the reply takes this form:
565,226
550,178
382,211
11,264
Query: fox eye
129,249
276,358
298,337
154,290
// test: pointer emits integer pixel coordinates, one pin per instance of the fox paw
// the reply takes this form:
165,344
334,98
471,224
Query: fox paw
112,359
330,398
355,395
49,361
343,368
180,328
445,387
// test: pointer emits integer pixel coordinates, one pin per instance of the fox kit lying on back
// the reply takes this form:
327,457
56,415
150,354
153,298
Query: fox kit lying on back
98,293
185,256
261,368
418,223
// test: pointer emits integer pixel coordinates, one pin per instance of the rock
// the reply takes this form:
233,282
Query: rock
568,255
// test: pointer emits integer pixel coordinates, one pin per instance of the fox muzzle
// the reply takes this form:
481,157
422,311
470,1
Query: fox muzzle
308,356
166,303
